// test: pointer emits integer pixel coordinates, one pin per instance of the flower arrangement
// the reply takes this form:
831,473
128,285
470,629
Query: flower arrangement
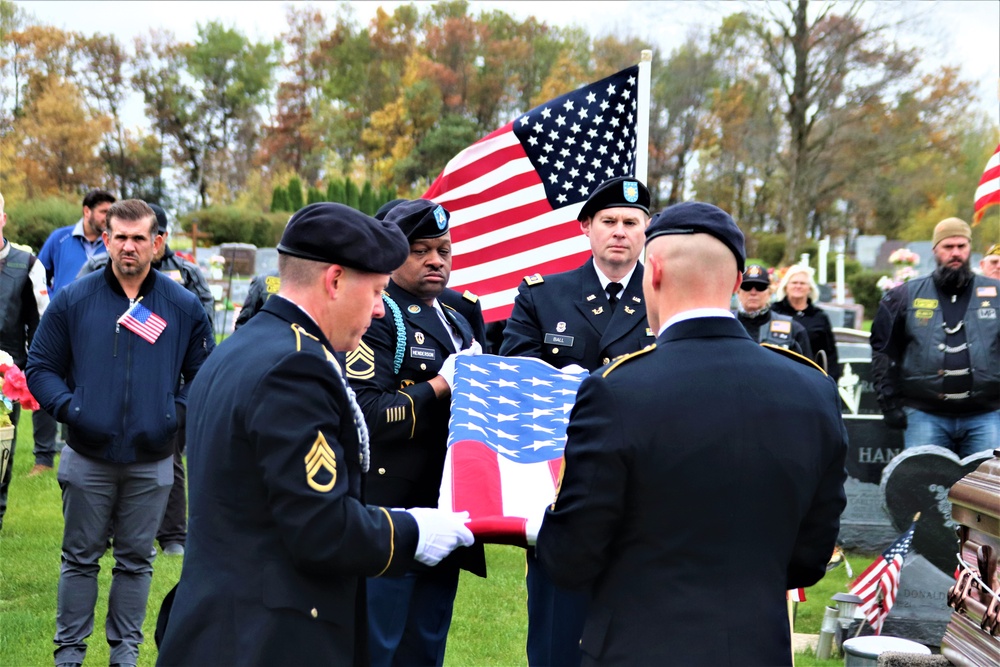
13,389
216,264
904,260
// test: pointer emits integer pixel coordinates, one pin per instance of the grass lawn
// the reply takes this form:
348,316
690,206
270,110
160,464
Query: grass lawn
489,625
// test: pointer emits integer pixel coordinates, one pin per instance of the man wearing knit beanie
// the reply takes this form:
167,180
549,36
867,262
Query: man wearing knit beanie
935,351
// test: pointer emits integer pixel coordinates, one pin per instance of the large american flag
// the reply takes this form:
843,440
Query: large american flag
877,586
514,195
988,192
505,442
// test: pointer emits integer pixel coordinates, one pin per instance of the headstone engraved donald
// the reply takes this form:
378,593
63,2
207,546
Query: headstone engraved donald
864,525
918,480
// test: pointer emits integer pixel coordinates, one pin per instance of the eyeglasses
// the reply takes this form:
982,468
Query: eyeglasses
753,287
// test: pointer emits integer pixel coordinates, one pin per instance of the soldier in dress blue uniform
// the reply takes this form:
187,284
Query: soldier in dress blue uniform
582,318
673,515
280,538
402,374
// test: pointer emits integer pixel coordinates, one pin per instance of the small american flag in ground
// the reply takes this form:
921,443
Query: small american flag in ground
144,322
505,442
514,195
878,584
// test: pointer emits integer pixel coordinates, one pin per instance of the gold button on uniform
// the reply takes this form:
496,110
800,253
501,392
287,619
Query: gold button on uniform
605,361
381,471
314,613
423,367
555,350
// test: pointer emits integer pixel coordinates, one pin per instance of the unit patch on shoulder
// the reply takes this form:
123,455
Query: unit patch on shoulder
535,279
319,459
361,363
795,356
469,296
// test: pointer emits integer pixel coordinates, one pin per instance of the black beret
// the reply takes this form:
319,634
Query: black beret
623,191
696,217
338,234
419,219
161,217
756,275
384,209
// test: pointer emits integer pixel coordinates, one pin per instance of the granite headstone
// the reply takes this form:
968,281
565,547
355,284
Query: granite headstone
918,480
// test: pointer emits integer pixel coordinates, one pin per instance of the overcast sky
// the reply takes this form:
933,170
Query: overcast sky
966,34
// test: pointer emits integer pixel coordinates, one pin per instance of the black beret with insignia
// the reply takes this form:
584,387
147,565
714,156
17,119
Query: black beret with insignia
695,217
620,192
384,209
419,219
338,234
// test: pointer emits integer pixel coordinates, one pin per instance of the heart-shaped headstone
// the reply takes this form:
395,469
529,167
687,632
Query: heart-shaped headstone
918,480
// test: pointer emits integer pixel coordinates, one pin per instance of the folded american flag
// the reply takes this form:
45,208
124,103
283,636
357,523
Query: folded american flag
505,442
144,322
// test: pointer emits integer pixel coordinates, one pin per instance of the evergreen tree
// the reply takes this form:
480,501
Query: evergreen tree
279,199
314,196
335,190
367,199
351,195
295,194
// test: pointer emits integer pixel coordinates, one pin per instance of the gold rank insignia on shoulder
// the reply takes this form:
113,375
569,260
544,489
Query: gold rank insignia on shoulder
272,284
535,279
598,310
321,458
361,363
469,296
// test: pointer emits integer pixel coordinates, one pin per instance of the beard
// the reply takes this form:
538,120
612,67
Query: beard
952,280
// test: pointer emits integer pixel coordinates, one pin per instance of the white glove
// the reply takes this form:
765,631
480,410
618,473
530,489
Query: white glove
441,532
531,528
448,367
574,369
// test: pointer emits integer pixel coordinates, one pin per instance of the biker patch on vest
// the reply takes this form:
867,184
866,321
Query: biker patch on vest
925,303
781,327
987,313
988,290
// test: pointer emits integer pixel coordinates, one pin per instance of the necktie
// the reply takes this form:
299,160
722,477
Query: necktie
613,289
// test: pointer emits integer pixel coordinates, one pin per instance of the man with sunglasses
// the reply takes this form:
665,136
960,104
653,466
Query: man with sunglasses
763,324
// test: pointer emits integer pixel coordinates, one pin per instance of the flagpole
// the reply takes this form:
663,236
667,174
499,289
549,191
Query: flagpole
642,117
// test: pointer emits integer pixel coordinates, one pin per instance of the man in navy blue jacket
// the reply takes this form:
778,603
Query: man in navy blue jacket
107,360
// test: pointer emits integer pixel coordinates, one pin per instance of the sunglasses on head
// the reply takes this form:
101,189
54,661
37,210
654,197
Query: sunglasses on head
753,286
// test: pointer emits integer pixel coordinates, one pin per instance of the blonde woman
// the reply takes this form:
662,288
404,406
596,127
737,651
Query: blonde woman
796,296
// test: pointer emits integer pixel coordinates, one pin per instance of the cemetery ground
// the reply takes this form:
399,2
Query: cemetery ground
488,628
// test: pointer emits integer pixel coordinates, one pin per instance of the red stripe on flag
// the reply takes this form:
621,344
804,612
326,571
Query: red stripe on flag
449,180
475,479
560,232
555,467
503,188
512,279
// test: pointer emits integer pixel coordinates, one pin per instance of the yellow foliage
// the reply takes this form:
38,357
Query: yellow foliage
60,141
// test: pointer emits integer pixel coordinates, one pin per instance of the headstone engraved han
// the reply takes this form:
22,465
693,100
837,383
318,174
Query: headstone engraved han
918,480
864,525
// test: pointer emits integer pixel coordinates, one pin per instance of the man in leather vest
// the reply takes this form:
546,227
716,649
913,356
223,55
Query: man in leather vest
23,297
936,351
763,324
